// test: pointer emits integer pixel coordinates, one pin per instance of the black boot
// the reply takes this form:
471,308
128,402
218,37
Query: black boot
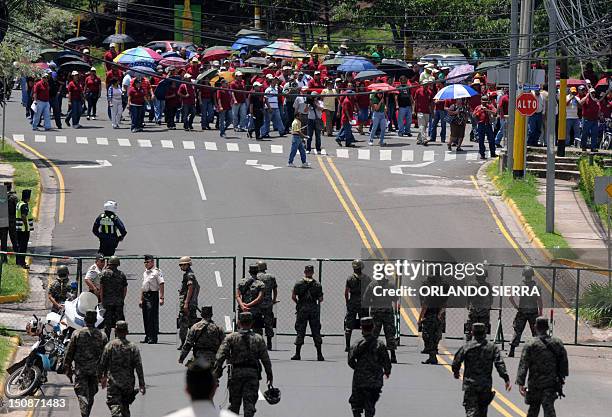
393,357
432,360
297,356
269,342
357,413
511,353
347,338
320,357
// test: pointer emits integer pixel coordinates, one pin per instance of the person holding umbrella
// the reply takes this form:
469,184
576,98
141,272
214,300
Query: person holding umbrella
378,102
459,114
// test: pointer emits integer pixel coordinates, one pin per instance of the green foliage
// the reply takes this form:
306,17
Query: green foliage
588,173
596,304
14,280
25,175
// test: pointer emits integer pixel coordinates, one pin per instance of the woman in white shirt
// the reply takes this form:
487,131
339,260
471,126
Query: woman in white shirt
115,103
315,121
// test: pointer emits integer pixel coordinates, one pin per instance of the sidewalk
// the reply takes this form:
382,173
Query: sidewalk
6,172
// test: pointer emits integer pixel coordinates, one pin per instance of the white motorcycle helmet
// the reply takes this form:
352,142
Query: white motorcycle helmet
110,205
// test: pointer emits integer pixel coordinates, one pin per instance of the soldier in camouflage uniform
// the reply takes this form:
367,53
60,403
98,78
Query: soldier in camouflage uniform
188,299
479,307
478,357
269,299
355,284
85,349
308,295
369,359
245,351
58,290
431,321
382,309
528,309
545,360
204,337
250,295
113,289
120,359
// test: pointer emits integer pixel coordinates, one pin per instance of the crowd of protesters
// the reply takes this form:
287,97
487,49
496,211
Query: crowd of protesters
326,102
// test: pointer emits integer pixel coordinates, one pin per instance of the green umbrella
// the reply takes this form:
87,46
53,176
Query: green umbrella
228,48
334,62
250,70
207,74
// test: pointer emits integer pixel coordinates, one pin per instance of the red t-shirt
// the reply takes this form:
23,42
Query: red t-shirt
422,99
606,108
481,115
109,56
118,75
206,92
193,70
224,99
41,90
503,105
75,90
363,100
136,95
172,100
315,84
237,86
190,90
347,106
93,83
474,101
590,109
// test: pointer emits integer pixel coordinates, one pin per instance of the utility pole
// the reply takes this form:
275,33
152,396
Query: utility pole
550,123
327,28
257,15
120,22
514,18
562,132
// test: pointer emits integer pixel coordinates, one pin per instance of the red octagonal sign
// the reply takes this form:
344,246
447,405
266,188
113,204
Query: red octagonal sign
526,104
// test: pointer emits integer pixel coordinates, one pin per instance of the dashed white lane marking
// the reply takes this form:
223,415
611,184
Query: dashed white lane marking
40,138
218,279
18,138
232,147
61,139
167,144
144,143
407,155
254,147
429,156
228,324
450,156
82,140
211,238
124,142
197,176
342,153
471,156
251,162
188,144
385,154
102,141
363,154
210,146
276,148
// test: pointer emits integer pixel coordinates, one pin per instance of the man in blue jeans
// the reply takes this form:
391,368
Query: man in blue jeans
439,116
272,110
590,120
483,115
535,121
297,144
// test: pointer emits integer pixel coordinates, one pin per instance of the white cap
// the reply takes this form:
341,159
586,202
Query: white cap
430,66
238,73
256,84
112,45
85,51
93,69
110,205
187,75
222,69
343,46
269,76
317,72
74,73
195,61
286,67
215,62
338,79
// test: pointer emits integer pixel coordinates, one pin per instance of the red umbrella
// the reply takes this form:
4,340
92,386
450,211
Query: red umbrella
215,54
380,87
175,61
573,82
603,82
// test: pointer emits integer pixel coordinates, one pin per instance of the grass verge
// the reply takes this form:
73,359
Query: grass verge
14,280
596,305
587,185
524,193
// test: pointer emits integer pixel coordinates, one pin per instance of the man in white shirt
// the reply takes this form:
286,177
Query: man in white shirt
272,110
151,297
201,387
572,122
92,277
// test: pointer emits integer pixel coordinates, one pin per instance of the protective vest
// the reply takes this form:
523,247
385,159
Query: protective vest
20,226
107,224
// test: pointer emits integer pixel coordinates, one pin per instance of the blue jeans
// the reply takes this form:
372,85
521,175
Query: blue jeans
158,108
42,110
378,121
188,116
239,111
312,128
572,124
224,121
76,108
590,129
438,116
485,129
502,131
297,145
207,112
404,127
277,122
534,129
136,116
346,134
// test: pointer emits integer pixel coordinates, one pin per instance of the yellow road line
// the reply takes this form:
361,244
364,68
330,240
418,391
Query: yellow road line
60,179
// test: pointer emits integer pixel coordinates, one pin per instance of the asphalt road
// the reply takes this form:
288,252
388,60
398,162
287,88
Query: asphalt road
192,199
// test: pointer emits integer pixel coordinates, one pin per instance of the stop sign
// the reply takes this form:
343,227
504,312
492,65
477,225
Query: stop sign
526,104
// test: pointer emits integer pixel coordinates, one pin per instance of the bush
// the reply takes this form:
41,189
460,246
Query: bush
587,185
596,304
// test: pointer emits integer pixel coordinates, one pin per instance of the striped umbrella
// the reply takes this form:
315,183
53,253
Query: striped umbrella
454,91
139,54
285,48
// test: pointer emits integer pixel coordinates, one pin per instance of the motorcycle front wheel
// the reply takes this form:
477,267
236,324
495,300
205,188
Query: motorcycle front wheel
23,382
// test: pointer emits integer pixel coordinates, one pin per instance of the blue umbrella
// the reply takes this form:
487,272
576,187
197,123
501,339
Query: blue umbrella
454,91
356,65
144,71
250,42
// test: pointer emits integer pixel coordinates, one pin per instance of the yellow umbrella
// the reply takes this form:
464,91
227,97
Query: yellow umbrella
227,75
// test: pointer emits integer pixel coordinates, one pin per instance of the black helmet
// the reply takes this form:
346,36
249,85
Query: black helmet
62,271
253,269
114,260
262,265
272,395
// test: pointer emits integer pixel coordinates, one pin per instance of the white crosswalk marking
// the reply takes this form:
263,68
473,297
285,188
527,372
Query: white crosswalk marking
188,144
232,147
276,148
102,141
144,143
363,154
40,138
82,140
429,156
254,147
342,153
385,154
61,139
450,156
407,155
124,142
18,138
210,146
471,156
167,144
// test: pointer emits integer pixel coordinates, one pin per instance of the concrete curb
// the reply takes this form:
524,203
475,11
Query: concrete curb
15,342
575,264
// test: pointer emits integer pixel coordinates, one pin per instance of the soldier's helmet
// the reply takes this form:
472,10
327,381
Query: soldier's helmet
309,268
479,329
253,269
272,395
121,326
114,260
245,318
91,316
206,311
528,272
367,323
357,264
185,260
541,323
62,271
262,266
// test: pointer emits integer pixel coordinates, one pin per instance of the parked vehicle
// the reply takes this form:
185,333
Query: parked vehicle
167,46
445,60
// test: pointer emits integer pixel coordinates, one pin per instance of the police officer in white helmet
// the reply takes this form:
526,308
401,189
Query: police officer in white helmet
109,229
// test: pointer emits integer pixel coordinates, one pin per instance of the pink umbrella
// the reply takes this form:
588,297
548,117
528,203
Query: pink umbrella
285,48
381,87
174,61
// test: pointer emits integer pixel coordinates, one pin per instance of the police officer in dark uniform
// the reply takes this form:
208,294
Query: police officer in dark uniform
529,308
9,230
113,289
188,299
250,295
382,309
109,229
58,290
308,296
355,285
269,299
24,225
479,307
431,321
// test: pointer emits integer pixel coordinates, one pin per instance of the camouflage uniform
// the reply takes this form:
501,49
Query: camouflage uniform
267,304
432,326
249,289
244,350
85,349
186,321
479,310
381,310
119,361
308,310
113,283
204,337
369,359
479,357
528,311
546,370
59,291
355,284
